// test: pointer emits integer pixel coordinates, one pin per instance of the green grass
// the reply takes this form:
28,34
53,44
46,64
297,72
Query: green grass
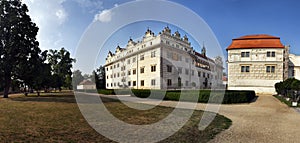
55,117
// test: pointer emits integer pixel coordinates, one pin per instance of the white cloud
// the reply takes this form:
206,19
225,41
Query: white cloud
49,15
105,15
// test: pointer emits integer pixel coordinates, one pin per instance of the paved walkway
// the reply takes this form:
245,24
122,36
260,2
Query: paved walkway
266,120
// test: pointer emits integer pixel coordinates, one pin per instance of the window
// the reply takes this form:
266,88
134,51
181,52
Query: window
110,67
142,57
192,72
203,74
186,83
128,73
118,74
123,68
107,85
199,73
153,68
169,68
111,76
208,75
293,73
245,68
153,54
142,70
106,77
168,42
129,83
270,69
114,66
134,59
180,70
128,61
153,82
111,85
118,65
114,75
106,69
245,54
134,83
270,54
186,71
169,83
142,82
114,84
134,71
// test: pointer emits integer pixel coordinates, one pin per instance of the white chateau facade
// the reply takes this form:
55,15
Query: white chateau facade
257,62
294,66
163,61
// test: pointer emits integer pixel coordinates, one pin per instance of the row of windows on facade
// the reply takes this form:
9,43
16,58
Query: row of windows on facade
167,42
153,69
269,69
175,45
177,57
142,83
142,57
269,54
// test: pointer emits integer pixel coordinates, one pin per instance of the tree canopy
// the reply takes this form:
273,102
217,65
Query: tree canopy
18,46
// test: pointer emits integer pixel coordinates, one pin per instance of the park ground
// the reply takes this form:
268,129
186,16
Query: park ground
55,117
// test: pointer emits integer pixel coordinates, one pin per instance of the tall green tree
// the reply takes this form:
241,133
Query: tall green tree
18,42
61,64
101,78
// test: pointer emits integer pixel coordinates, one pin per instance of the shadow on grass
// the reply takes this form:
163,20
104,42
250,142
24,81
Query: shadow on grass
64,99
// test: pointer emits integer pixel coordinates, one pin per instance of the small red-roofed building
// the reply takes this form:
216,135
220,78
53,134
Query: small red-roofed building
86,85
257,62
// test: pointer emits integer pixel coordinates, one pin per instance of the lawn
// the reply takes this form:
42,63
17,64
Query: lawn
56,118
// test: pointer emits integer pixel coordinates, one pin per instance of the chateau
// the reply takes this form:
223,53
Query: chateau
257,62
163,61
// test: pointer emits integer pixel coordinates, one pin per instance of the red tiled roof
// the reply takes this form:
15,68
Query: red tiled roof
256,41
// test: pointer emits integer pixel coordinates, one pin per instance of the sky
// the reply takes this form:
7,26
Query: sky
65,23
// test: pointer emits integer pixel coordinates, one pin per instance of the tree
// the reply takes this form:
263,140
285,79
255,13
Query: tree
61,64
100,78
18,42
77,78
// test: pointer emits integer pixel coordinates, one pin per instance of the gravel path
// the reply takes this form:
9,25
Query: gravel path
266,120
263,121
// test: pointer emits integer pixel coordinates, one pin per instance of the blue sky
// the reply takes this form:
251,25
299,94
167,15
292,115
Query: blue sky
63,22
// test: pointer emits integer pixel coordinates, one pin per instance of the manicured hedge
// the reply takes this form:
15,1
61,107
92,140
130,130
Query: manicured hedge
229,96
202,96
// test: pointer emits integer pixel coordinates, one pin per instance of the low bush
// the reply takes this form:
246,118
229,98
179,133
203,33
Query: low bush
201,96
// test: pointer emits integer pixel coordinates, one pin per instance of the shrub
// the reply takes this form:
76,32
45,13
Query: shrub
202,96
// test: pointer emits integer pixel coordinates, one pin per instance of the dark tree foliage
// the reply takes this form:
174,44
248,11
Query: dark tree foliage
61,64
289,88
18,44
100,80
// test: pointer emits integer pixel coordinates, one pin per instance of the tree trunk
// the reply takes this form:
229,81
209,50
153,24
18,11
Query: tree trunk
6,86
